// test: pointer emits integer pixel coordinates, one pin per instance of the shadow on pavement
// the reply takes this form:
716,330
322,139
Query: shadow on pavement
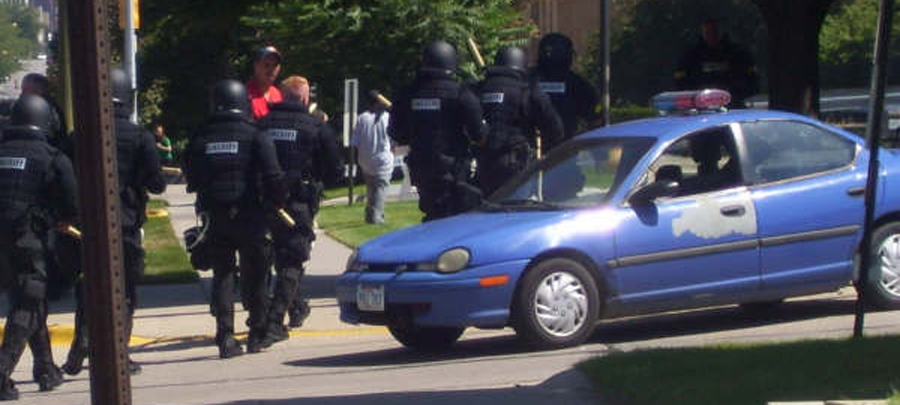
465,351
318,286
716,320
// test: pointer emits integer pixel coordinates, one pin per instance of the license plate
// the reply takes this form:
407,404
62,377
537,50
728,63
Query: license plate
370,298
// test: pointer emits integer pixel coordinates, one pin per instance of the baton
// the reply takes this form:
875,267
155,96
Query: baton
383,100
171,170
474,48
73,231
286,218
312,107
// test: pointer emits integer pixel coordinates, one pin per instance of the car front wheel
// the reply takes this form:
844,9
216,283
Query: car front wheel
557,305
883,285
423,338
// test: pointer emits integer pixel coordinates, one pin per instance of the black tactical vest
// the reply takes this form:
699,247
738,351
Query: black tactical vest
25,169
436,125
295,134
558,86
504,98
224,153
128,144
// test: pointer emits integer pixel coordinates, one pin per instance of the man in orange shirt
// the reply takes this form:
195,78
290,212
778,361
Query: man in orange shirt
261,87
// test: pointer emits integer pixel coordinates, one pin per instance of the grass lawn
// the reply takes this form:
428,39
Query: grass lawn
342,191
751,373
166,260
347,223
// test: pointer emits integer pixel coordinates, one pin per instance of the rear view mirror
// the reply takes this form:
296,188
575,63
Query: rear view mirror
650,192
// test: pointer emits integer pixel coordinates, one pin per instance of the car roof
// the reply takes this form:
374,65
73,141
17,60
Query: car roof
672,126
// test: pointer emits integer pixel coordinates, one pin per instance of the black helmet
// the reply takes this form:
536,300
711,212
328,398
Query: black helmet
31,111
230,96
121,86
439,55
512,57
555,52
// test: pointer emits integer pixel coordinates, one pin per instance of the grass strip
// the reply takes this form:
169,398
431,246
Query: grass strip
750,373
166,260
347,223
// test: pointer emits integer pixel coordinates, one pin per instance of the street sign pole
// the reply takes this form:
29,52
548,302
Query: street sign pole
351,103
873,134
605,20
130,40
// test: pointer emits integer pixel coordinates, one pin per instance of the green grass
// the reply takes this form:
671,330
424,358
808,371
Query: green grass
166,260
347,223
750,373
342,191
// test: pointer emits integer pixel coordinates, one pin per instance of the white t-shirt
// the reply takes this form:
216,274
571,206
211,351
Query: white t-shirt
370,138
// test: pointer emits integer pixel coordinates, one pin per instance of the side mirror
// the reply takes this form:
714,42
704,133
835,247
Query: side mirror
650,192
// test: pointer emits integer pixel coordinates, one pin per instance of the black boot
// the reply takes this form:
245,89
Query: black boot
298,313
134,368
49,378
258,340
8,391
74,361
228,347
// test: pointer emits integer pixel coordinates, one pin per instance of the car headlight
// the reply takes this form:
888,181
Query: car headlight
453,260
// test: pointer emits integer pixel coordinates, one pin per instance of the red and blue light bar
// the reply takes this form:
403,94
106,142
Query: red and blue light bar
693,100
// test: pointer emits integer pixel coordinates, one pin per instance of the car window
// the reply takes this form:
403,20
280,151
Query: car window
701,162
582,175
780,150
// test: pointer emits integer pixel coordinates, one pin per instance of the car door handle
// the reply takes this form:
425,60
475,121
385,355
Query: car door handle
733,210
856,191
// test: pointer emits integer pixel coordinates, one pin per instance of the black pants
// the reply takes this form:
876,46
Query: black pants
242,233
293,246
22,251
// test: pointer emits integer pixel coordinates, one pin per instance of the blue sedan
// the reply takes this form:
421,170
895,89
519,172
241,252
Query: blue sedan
692,209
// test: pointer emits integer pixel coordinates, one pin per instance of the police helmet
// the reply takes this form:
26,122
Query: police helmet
439,55
556,51
512,57
230,96
121,86
31,111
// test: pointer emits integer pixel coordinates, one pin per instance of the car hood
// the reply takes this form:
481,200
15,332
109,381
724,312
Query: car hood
480,232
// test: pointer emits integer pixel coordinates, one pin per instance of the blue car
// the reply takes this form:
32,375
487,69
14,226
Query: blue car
696,208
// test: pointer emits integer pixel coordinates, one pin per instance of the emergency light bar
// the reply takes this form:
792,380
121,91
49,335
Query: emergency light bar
693,100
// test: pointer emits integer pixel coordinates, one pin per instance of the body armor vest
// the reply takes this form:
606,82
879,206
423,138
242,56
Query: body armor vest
557,86
504,97
25,168
226,176
437,131
295,134
128,143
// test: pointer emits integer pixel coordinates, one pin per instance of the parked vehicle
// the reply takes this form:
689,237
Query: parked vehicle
697,208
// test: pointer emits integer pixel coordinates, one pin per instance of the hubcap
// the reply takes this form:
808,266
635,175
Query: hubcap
560,304
889,264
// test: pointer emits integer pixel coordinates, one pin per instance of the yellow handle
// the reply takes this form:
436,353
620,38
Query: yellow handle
286,218
384,100
474,47
71,230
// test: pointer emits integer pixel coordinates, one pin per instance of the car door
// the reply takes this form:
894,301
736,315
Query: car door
696,248
809,202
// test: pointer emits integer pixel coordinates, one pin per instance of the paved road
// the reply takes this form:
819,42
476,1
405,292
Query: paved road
10,88
327,362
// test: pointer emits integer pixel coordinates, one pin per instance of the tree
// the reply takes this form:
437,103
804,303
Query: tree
846,46
16,38
793,38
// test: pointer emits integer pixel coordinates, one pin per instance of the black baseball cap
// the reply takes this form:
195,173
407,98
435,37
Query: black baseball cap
263,52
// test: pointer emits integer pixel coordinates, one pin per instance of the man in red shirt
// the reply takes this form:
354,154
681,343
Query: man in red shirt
261,87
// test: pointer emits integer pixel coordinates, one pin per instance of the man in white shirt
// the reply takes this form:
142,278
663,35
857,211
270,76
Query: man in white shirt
370,138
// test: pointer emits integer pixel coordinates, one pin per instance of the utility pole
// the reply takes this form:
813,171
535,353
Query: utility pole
873,135
130,40
604,19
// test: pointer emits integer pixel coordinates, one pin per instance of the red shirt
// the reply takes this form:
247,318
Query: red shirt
260,100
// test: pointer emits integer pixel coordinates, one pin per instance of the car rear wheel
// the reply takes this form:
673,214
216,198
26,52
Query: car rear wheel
423,338
557,305
883,285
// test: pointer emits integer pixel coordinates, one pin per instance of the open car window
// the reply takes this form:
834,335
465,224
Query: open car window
578,174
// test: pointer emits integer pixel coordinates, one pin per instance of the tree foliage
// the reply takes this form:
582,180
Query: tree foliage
19,28
187,47
848,43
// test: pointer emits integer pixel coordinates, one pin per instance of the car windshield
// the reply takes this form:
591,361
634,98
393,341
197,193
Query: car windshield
577,174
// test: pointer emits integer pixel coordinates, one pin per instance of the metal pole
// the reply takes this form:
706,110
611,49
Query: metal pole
351,102
873,134
65,64
604,17
130,40
99,197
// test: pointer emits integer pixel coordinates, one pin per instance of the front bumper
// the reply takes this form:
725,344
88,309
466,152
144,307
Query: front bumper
434,299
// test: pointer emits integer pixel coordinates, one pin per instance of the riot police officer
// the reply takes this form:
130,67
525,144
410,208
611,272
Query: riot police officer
572,96
233,167
439,118
717,62
513,109
37,193
307,153
139,172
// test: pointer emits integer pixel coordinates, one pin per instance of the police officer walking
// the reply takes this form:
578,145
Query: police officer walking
307,152
37,193
572,96
514,109
233,167
139,172
439,118
717,62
